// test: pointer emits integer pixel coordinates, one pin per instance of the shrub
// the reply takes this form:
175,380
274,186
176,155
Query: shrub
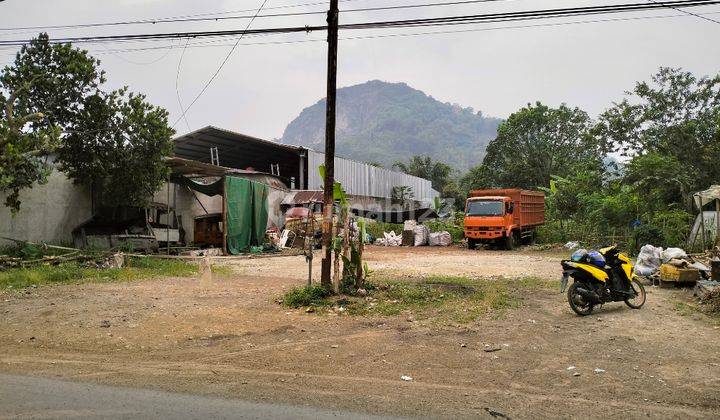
306,296
376,229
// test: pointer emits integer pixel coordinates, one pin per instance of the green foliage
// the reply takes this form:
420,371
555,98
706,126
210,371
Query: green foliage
551,141
139,268
668,132
445,299
306,296
649,234
402,195
386,122
424,167
376,229
53,100
675,115
453,225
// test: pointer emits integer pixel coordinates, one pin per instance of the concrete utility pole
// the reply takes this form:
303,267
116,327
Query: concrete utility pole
328,200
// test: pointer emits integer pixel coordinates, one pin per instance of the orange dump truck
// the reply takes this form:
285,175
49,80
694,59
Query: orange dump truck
505,217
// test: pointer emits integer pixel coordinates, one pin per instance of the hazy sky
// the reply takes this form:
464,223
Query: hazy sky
263,87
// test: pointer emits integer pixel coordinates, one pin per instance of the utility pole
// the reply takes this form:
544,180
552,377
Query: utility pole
329,182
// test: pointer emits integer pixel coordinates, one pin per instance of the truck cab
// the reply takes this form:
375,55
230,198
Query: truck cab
488,219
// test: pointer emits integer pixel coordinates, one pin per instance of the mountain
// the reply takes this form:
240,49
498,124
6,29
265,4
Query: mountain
386,122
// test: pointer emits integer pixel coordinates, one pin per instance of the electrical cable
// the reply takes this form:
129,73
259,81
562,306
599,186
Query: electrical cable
217,72
427,22
177,84
412,34
690,13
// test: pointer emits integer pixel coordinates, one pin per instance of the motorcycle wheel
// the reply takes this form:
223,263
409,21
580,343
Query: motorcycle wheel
639,300
577,302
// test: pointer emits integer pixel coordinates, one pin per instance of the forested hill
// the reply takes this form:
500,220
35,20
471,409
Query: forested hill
386,122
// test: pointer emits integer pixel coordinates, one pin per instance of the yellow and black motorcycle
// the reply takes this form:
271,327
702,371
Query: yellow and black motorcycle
601,277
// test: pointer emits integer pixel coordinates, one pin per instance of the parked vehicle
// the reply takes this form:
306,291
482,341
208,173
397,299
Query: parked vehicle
505,217
601,277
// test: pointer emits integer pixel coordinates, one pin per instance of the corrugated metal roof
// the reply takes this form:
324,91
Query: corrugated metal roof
240,151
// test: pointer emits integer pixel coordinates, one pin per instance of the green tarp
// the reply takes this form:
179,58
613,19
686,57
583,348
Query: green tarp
247,213
216,188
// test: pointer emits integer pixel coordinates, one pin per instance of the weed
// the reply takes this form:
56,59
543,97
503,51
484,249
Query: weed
137,268
438,299
314,295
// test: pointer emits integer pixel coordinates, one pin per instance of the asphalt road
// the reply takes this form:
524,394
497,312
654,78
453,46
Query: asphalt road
25,397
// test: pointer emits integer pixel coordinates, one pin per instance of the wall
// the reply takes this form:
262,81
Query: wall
362,179
48,212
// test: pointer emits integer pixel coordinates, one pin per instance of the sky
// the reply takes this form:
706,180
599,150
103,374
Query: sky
268,80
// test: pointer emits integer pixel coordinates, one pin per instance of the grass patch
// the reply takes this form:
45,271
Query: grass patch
438,299
314,295
138,268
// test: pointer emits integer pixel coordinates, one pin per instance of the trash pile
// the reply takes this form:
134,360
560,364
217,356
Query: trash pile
675,265
415,234
440,239
390,239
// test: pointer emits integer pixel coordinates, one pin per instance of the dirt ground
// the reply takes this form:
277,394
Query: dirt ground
228,337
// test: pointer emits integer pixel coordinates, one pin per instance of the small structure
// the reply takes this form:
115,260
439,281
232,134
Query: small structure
707,223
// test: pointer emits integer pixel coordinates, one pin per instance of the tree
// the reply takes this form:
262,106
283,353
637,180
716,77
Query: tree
538,142
659,180
22,153
118,148
402,195
112,141
438,173
676,115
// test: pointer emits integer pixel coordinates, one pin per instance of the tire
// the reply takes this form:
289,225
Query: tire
576,301
530,239
639,300
510,242
472,243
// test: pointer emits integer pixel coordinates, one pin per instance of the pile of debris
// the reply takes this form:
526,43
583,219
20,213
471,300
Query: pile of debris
674,265
415,234
390,239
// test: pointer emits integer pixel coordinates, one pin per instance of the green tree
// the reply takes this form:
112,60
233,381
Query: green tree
538,142
118,148
112,141
402,195
677,116
438,173
659,180
22,153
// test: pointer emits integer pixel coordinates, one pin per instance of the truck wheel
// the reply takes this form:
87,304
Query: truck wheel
530,239
471,243
510,242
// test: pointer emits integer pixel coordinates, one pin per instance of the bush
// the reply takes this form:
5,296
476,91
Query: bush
376,229
649,234
675,227
450,225
306,296
138,268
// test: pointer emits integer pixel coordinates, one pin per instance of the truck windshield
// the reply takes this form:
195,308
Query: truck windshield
485,208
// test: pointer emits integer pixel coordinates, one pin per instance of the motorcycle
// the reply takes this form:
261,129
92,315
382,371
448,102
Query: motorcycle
599,278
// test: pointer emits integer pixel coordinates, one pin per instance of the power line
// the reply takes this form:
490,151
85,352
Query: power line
190,18
690,13
439,21
217,72
412,34
177,84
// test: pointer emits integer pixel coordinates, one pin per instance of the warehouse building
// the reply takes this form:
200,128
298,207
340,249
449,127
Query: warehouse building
62,212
